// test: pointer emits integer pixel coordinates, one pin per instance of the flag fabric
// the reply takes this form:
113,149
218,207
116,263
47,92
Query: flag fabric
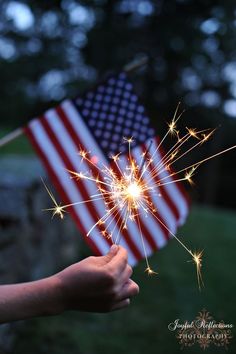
97,122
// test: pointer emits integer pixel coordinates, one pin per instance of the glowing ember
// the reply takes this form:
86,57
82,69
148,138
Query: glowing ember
133,191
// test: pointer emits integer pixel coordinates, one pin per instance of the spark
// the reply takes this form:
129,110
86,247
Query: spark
58,209
193,133
150,272
197,259
83,154
127,192
189,174
128,140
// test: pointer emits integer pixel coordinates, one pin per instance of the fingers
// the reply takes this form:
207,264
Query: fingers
125,275
123,300
129,290
123,288
119,261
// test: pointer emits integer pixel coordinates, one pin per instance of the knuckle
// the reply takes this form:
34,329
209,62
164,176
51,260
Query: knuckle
114,292
134,289
125,255
91,258
110,277
111,293
129,270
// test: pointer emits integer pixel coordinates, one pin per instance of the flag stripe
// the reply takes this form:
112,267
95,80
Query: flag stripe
61,150
133,229
148,239
174,190
162,210
137,151
162,204
55,166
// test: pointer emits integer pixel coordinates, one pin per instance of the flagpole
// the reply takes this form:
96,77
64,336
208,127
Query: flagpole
136,64
11,136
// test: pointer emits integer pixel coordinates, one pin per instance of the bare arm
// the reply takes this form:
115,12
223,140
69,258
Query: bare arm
97,284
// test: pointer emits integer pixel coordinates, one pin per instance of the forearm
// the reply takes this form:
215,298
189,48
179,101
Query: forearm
98,284
26,300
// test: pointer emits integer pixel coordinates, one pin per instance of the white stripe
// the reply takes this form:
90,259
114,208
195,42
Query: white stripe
160,204
132,227
172,190
148,220
59,169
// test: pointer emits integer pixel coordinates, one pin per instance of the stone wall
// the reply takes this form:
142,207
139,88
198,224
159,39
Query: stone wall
32,245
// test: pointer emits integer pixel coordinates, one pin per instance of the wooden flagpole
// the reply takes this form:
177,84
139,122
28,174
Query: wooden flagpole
136,64
128,68
11,136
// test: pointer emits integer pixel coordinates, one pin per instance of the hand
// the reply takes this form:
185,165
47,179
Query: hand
98,284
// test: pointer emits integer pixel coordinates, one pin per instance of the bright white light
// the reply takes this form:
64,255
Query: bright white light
210,98
230,108
190,79
229,71
7,49
20,14
80,15
210,26
134,190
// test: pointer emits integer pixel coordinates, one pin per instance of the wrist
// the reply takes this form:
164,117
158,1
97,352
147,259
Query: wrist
55,304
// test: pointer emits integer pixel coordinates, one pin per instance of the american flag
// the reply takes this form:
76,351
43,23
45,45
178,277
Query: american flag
97,122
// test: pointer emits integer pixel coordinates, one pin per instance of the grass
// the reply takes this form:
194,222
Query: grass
172,294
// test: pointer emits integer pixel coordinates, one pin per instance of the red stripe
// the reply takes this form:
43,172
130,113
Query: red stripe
60,189
95,172
69,127
161,222
164,231
80,186
164,194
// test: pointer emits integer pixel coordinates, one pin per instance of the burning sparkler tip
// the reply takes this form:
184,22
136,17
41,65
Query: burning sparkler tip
150,271
128,140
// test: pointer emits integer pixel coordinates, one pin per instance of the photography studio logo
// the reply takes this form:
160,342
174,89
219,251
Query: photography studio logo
203,331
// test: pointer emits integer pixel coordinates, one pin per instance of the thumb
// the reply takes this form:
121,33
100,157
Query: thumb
112,252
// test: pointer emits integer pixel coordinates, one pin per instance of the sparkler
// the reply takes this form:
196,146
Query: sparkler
127,192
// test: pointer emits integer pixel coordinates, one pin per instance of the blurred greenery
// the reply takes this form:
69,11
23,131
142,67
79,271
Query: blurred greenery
172,294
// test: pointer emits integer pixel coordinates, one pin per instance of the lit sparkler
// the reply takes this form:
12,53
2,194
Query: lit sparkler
127,192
